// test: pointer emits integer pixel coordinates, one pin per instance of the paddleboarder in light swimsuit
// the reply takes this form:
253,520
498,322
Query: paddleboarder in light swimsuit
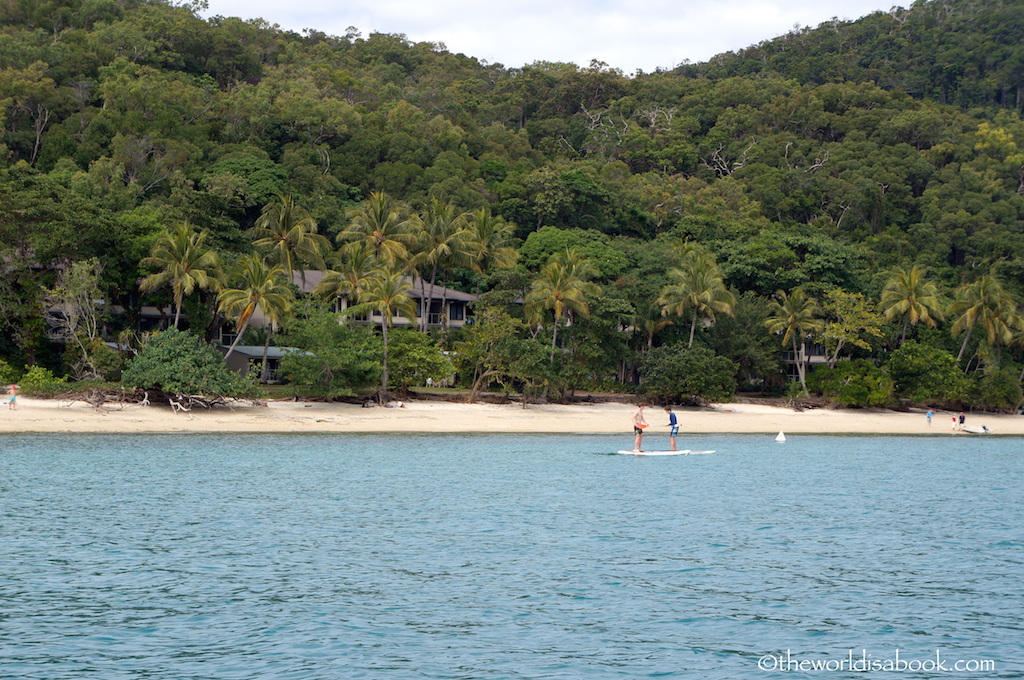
638,428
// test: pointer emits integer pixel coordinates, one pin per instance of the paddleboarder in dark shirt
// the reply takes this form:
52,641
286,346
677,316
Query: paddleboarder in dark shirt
673,424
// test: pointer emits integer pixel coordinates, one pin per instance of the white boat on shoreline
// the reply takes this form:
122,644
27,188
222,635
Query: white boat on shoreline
972,429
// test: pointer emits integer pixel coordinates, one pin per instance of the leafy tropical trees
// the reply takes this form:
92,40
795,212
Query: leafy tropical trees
176,362
489,350
383,226
413,358
332,359
857,382
30,98
607,258
676,374
742,339
696,288
41,380
184,262
596,347
73,317
850,320
287,232
795,317
987,304
387,293
910,297
562,287
530,372
997,388
926,375
260,286
8,374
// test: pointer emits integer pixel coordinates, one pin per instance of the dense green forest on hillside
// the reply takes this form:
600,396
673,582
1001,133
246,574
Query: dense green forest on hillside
858,185
967,53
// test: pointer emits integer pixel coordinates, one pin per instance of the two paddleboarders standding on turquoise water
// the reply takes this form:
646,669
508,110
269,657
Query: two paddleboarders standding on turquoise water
639,424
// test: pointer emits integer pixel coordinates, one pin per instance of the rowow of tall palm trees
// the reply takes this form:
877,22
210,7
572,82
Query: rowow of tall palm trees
441,240
383,225
349,273
387,292
909,296
562,288
698,288
260,286
290,235
987,304
794,316
184,262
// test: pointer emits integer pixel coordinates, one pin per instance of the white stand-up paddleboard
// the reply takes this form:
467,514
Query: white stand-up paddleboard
684,452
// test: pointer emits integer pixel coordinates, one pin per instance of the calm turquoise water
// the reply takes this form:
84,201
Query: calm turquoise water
321,557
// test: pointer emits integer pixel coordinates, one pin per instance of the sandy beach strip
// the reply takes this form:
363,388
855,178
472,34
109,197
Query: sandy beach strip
52,416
